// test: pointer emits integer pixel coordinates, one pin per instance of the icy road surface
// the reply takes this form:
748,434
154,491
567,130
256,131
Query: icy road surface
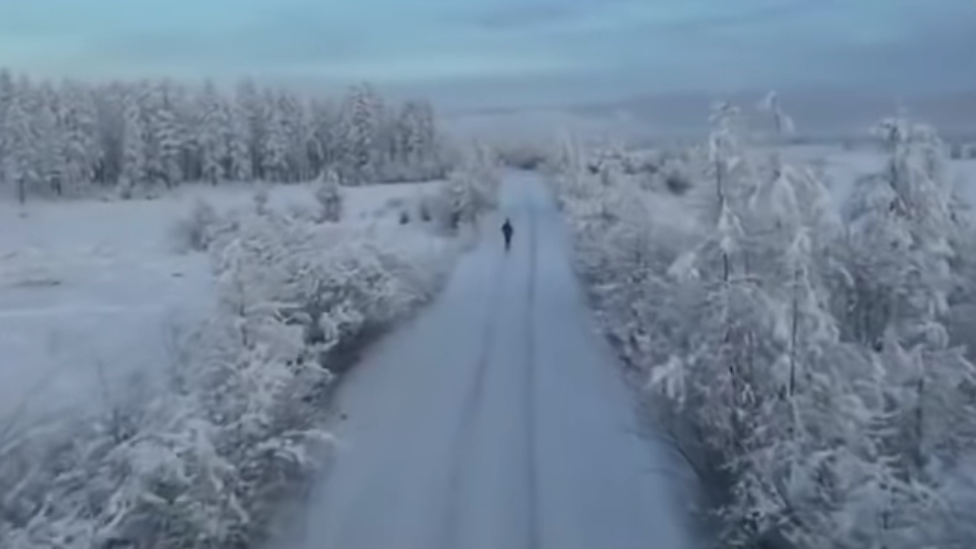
497,419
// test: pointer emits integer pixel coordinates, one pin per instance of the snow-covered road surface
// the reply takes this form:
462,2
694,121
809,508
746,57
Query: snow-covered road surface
496,419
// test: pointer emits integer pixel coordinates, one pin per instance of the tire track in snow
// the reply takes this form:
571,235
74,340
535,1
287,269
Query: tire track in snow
531,441
472,408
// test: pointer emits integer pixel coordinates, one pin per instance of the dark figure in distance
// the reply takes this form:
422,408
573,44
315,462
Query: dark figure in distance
507,233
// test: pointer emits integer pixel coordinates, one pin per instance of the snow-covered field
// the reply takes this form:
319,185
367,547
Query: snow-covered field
842,166
92,290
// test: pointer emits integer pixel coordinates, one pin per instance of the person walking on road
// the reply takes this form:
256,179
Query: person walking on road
507,233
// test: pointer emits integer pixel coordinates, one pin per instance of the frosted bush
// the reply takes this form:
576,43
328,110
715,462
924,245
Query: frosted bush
328,193
196,231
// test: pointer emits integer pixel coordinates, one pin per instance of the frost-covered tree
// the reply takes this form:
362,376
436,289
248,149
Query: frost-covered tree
328,193
570,168
81,149
902,238
213,124
471,189
274,147
412,142
360,123
781,122
251,109
19,167
48,136
165,136
761,367
240,164
302,147
816,385
325,119
734,306
7,92
134,169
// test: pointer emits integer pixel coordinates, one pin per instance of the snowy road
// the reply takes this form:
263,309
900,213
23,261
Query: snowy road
496,419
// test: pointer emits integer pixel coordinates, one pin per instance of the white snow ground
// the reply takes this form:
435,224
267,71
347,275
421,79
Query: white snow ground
496,419
843,167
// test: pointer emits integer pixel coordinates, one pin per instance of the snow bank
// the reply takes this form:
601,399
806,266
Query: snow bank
162,442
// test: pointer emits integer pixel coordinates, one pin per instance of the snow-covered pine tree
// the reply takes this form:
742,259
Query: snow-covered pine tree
151,97
571,168
472,187
425,131
253,111
275,146
166,134
407,141
360,126
133,172
81,150
19,167
299,134
212,123
326,131
183,107
328,193
49,136
109,101
289,114
238,149
7,92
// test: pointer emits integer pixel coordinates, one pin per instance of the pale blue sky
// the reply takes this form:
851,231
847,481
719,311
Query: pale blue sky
487,49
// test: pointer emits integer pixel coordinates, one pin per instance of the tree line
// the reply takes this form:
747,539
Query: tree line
142,137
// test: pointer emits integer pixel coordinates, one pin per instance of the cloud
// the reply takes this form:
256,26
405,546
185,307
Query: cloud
558,48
